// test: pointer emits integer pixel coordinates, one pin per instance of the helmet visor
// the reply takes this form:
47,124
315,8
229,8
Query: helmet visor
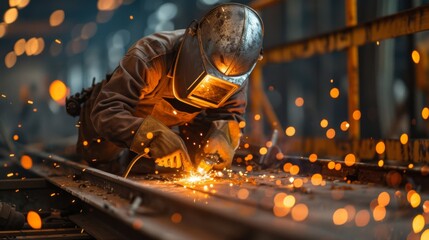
211,91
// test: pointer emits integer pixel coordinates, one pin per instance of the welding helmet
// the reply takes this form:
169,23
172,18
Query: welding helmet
217,55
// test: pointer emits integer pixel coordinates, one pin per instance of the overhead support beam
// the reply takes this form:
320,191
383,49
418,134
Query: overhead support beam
400,24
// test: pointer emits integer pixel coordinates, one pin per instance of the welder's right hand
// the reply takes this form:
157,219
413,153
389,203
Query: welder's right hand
162,143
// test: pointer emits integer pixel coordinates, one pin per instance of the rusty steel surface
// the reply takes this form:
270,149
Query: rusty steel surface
399,24
299,199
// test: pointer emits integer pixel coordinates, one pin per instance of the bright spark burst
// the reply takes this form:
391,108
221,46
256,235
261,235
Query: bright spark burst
195,178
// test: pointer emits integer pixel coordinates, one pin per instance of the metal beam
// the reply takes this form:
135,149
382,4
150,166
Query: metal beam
353,72
400,24
113,197
23,183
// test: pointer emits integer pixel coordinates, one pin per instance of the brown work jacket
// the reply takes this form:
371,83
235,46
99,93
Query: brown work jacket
142,85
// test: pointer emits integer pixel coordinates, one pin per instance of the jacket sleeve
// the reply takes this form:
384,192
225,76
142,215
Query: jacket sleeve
113,113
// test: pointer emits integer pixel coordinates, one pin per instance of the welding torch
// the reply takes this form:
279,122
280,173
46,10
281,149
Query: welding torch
208,162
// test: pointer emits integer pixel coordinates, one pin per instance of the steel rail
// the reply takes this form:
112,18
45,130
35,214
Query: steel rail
121,201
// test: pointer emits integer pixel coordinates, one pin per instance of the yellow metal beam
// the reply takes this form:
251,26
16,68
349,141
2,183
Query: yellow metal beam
403,23
353,72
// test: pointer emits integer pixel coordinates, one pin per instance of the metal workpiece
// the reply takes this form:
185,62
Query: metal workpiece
114,197
275,203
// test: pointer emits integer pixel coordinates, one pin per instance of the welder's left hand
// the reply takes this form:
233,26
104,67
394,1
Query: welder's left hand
223,138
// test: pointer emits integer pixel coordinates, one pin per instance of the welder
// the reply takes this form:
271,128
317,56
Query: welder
176,96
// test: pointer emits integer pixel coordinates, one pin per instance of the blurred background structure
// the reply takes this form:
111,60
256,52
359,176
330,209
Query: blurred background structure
344,83
58,47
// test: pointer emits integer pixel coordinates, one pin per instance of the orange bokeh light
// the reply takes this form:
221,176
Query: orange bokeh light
340,216
34,220
350,159
58,91
299,212
26,162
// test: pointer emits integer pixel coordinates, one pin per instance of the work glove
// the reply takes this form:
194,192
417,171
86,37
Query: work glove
223,139
165,146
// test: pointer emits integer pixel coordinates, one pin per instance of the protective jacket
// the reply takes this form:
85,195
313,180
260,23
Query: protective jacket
140,86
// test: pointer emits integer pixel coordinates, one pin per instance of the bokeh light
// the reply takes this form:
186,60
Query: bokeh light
418,223
334,93
362,218
415,55
324,123
56,18
26,162
340,216
350,159
380,147
57,90
299,101
299,212
344,126
10,59
10,15
290,131
34,220
404,138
